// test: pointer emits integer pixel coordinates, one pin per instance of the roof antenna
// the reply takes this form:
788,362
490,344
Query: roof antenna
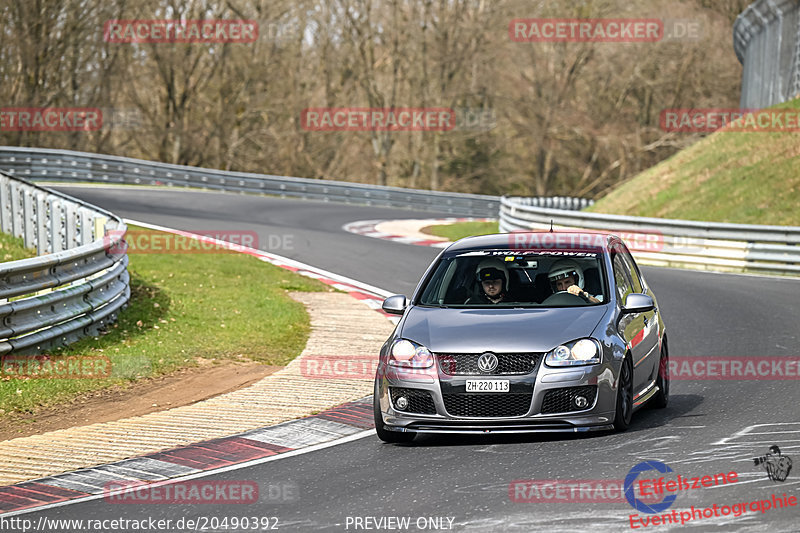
551,225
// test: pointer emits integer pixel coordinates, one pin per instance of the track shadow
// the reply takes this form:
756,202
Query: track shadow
645,419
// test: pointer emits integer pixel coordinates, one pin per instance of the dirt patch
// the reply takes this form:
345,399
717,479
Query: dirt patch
427,230
183,387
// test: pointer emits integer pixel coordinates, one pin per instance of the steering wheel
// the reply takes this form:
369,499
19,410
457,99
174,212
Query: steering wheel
563,298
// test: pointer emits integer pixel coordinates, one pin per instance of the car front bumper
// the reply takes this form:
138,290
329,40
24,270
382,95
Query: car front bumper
540,415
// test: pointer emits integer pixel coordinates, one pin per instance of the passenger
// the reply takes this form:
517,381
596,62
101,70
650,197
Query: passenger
567,275
492,276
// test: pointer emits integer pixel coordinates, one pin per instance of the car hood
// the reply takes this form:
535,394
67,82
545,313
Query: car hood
445,330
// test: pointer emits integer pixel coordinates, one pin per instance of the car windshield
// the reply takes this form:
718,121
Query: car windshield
507,278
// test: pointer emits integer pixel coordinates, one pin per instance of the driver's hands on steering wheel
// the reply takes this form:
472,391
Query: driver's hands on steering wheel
577,291
574,289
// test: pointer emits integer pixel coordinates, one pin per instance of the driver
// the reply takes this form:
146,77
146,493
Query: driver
492,275
567,275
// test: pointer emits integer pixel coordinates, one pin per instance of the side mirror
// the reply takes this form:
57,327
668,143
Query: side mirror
638,303
395,305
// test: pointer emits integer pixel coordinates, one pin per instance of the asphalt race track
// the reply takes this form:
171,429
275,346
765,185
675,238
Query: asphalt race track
710,427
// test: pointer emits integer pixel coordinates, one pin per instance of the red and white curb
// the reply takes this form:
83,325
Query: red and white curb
334,425
368,228
188,462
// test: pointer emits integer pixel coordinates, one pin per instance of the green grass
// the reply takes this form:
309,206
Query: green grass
184,308
13,248
460,230
733,177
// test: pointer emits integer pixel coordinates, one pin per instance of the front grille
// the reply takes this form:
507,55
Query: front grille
461,364
488,405
563,400
419,401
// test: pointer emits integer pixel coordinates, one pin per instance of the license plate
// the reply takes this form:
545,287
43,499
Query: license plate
487,385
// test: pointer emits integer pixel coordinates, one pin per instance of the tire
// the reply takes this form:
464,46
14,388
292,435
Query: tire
661,398
624,409
392,437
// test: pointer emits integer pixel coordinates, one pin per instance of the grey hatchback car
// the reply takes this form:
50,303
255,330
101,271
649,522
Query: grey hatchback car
523,332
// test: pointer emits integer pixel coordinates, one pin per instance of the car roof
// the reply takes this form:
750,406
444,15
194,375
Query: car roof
543,241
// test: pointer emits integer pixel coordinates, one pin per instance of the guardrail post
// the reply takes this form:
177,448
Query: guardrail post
42,243
57,226
71,225
100,227
17,222
5,205
29,215
87,226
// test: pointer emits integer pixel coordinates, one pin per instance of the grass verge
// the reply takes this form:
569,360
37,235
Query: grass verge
13,248
729,176
459,230
185,310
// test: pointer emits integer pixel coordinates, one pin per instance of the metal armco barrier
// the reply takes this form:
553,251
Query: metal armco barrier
679,243
65,165
79,281
766,39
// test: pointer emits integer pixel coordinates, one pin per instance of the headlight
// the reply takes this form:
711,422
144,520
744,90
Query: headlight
410,355
581,352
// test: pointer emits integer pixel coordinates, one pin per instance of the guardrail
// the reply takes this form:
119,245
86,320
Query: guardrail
766,39
66,165
79,281
678,243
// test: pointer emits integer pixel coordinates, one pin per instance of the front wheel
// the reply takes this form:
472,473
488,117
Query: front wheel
624,411
393,437
661,398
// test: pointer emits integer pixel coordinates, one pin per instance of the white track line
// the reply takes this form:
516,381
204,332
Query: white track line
205,473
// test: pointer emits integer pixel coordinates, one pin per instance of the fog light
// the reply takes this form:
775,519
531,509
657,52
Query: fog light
402,402
581,402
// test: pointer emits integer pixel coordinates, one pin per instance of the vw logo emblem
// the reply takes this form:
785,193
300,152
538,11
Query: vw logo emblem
487,362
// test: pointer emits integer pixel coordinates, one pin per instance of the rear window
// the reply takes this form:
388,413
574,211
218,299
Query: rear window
529,279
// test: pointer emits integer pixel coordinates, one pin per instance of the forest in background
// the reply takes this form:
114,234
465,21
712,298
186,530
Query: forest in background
565,118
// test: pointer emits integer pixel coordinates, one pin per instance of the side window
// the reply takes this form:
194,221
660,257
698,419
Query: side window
637,284
622,277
